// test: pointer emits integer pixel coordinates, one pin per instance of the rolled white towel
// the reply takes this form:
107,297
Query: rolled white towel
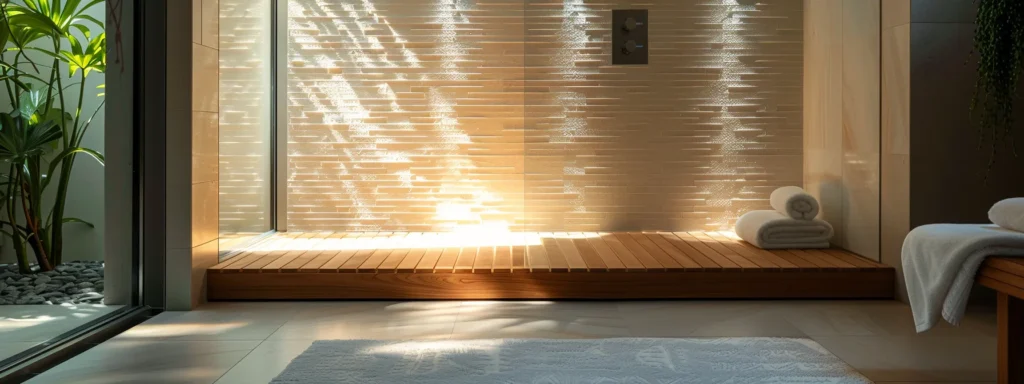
795,202
772,230
1008,213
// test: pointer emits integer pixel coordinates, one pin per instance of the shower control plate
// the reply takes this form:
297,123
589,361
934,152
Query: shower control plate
629,36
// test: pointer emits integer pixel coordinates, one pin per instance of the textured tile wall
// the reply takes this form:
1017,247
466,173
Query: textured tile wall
438,115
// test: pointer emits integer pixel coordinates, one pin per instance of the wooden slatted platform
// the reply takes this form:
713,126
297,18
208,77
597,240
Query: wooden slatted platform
635,265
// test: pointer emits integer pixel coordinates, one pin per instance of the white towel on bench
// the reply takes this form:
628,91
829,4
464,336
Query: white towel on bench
794,202
940,262
773,230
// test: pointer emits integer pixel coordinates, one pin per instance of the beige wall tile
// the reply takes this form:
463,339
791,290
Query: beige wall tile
895,193
211,23
205,147
841,117
823,109
895,213
205,75
204,212
896,90
895,12
197,21
861,116
203,257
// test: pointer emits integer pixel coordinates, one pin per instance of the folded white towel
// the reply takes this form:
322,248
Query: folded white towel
772,230
1008,213
794,202
940,261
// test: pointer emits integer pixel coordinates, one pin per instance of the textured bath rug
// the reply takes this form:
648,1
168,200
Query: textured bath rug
604,361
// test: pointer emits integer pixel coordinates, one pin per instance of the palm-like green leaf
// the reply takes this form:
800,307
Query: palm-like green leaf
60,17
89,58
21,140
30,102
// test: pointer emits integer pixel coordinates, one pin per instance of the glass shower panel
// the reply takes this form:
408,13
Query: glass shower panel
245,121
689,141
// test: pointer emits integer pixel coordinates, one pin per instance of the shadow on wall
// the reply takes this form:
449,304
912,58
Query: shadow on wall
435,116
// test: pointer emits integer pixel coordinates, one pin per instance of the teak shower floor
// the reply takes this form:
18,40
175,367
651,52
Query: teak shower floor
467,266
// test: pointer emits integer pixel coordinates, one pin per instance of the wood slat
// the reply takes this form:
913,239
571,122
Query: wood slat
650,263
383,252
800,262
821,264
752,254
366,247
627,257
519,258
429,260
390,265
412,258
235,264
830,258
590,256
484,260
852,259
1002,276
466,260
655,240
606,253
502,259
728,253
1015,267
349,248
320,239
358,258
558,263
821,257
695,243
571,254
695,255
446,263
319,257
1001,286
656,252
537,258
383,260
285,252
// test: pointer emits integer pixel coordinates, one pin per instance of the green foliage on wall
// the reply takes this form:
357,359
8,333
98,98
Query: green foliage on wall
999,48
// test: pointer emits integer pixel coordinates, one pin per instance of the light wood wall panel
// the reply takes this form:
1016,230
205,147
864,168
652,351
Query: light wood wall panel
438,115
842,117
895,157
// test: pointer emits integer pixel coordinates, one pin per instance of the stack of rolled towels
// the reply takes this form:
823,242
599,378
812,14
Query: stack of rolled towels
791,224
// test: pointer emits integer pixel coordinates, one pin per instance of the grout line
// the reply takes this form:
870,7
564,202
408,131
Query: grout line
254,348
458,314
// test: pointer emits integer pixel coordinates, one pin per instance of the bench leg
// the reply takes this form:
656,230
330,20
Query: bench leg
1011,339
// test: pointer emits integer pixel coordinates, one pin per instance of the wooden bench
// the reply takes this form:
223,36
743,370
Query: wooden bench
1006,276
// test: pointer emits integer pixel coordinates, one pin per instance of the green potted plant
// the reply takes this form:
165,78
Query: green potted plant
42,131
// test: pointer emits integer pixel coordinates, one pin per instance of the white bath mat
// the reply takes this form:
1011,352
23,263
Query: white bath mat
605,361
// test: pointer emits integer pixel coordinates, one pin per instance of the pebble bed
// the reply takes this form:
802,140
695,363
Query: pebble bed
76,282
